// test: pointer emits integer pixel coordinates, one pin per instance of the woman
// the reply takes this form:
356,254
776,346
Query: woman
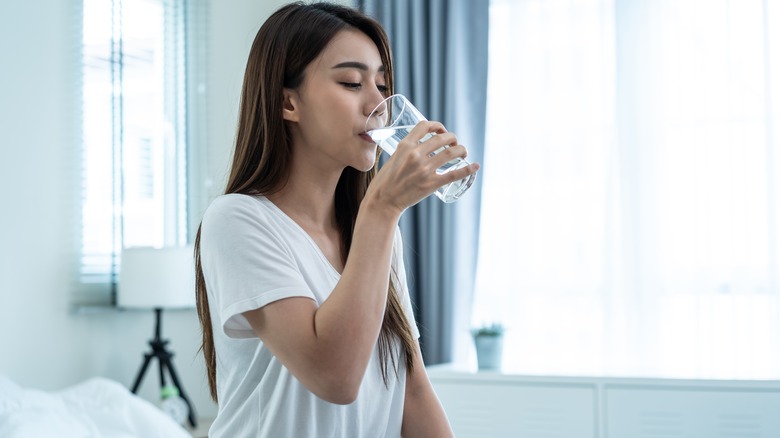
307,326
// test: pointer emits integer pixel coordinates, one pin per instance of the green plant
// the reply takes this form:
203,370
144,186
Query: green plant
493,329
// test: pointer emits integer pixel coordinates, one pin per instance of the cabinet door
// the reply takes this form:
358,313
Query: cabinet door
692,413
511,409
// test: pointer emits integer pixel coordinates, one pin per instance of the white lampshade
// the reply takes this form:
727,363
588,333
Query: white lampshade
157,277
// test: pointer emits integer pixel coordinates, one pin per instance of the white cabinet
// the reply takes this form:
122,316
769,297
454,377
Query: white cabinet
495,405
661,412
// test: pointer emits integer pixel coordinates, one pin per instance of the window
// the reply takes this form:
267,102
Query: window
630,209
134,154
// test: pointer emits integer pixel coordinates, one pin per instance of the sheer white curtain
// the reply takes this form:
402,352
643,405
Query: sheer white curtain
632,187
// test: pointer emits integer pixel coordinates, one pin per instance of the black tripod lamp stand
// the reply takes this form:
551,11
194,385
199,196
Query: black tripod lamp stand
159,278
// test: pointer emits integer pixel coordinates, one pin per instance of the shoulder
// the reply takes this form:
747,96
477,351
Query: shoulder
398,238
236,208
236,217
233,203
398,244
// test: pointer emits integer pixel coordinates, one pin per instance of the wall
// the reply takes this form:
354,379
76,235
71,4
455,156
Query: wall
43,343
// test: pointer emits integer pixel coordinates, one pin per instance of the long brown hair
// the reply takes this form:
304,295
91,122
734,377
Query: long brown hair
287,42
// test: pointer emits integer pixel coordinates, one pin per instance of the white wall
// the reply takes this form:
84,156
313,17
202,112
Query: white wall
43,344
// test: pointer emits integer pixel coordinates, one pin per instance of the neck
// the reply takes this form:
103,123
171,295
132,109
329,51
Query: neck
309,196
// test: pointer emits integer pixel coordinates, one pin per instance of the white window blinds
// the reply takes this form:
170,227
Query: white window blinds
135,137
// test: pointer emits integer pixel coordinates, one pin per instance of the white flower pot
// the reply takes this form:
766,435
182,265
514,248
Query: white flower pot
489,351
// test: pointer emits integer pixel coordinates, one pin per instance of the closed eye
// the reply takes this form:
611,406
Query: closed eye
356,86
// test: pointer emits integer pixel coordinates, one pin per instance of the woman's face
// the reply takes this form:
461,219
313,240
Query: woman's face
328,112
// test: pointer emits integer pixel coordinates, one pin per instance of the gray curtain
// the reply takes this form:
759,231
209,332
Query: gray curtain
440,58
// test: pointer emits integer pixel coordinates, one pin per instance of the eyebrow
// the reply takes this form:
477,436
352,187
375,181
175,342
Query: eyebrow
357,65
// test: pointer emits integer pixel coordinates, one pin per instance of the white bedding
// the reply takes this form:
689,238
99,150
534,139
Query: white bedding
95,408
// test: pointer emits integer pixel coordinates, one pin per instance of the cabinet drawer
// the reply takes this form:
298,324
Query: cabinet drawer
692,413
512,409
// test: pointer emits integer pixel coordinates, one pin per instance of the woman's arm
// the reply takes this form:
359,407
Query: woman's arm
423,413
328,347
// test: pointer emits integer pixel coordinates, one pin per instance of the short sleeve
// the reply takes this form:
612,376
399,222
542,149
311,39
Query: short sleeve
406,302
246,262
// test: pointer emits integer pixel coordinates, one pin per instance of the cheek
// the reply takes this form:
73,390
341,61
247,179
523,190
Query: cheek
332,112
337,99
315,121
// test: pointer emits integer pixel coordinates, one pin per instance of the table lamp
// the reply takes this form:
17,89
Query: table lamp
158,278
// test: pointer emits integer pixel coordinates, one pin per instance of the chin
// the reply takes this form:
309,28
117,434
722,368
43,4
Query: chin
364,168
367,161
365,164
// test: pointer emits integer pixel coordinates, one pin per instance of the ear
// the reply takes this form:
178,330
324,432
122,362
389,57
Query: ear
290,105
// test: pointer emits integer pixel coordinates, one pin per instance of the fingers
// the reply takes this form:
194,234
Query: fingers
421,137
458,174
424,128
432,152
447,153
439,149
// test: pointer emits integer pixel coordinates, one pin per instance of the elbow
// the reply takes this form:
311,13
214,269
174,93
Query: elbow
339,397
339,390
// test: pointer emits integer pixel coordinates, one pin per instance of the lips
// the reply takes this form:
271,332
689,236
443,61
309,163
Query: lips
366,137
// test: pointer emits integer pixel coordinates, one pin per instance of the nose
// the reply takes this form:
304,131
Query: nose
376,111
373,101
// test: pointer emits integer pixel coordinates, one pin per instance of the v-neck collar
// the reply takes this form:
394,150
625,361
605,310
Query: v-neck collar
307,236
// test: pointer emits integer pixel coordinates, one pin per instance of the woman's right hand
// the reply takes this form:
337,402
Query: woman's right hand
409,175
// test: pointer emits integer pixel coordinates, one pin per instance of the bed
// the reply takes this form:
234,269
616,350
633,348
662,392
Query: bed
97,407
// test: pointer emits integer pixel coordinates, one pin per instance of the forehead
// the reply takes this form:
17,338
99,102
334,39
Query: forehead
350,45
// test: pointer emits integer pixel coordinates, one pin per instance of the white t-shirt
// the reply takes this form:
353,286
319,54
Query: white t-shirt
253,254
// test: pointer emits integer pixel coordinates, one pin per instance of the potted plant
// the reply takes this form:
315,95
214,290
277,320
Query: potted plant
489,342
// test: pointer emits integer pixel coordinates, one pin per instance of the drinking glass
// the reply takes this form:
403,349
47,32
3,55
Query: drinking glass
392,120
